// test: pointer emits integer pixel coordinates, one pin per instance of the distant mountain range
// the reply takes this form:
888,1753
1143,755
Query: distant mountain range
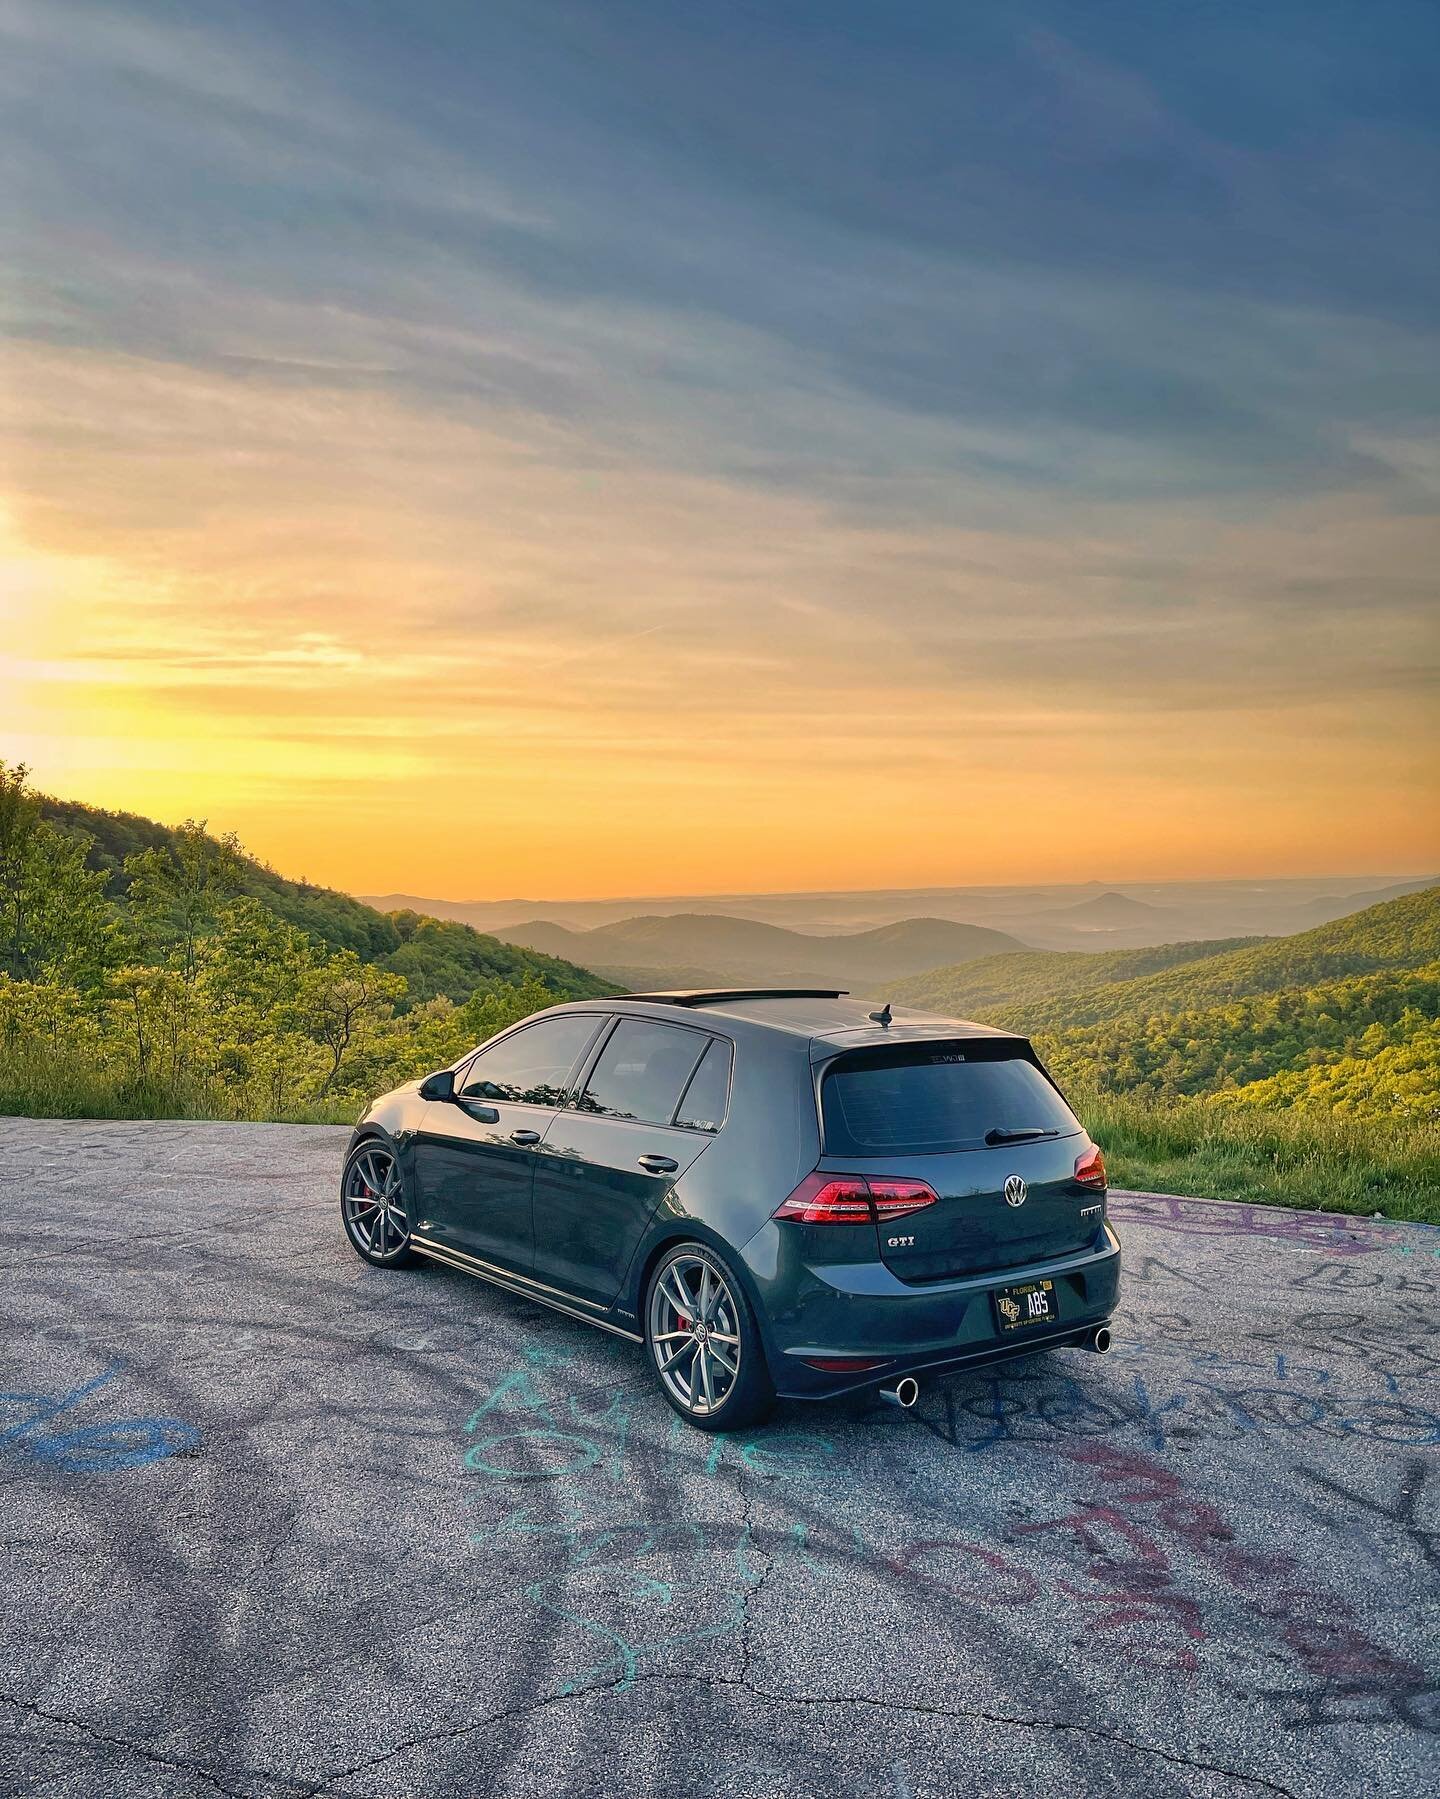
705,950
1092,915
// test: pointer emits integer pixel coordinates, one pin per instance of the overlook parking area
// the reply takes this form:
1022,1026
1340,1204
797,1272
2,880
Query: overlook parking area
279,1524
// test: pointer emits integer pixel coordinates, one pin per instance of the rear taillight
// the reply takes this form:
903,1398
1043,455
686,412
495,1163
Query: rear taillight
854,1199
1090,1170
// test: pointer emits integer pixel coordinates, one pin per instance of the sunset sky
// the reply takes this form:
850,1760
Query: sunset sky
569,449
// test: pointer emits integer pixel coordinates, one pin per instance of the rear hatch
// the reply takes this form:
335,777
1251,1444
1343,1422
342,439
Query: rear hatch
963,1115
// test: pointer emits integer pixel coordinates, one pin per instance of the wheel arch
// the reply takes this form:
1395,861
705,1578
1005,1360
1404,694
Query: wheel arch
369,1131
692,1230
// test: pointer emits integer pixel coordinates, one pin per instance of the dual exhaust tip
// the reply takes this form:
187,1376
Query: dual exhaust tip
905,1391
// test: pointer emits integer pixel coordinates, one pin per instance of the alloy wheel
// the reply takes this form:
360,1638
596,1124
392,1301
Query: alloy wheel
695,1334
374,1203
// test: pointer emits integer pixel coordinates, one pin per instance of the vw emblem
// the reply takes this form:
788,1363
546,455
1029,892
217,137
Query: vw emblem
1015,1190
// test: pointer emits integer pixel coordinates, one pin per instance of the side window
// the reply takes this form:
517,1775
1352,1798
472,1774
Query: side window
708,1095
642,1071
532,1066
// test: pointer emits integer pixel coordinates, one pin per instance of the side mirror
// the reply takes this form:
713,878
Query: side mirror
440,1085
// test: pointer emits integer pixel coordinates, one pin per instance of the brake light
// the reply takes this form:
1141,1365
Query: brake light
893,1199
1090,1169
852,1199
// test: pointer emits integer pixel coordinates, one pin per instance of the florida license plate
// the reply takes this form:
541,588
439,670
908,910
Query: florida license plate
1032,1302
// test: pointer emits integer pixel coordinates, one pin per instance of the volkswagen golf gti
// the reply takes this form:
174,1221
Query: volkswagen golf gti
775,1193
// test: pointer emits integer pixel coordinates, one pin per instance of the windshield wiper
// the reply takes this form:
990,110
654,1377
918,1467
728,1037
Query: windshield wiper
1022,1134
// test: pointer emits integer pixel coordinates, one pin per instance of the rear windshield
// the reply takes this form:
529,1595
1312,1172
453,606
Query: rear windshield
936,1097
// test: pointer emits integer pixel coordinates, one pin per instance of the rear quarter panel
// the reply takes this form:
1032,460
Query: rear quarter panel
769,1142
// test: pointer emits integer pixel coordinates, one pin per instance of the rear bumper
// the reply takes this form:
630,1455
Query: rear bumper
862,1310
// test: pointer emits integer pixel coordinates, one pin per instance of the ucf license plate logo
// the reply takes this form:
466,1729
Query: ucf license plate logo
1034,1303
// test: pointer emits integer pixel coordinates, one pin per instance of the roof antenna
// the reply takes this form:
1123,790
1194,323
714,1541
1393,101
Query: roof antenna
882,1017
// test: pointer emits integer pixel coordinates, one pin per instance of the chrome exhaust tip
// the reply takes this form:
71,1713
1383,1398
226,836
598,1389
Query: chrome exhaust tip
1099,1339
903,1393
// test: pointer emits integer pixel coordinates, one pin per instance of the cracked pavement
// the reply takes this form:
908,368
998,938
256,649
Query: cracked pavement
278,1525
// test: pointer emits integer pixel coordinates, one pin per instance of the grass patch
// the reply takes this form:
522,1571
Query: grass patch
46,1086
1313,1162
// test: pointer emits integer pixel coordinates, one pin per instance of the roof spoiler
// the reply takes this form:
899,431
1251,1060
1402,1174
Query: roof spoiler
712,995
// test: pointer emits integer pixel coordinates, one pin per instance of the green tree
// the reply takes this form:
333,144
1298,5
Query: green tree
53,916
176,892
19,821
341,1001
155,1007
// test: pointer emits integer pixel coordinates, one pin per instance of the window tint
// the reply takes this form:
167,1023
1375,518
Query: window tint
534,1065
642,1071
703,1107
943,1096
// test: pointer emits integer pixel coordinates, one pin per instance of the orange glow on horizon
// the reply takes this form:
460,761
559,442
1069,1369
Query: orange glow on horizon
283,617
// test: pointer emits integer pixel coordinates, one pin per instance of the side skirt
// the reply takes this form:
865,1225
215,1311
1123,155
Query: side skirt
516,1283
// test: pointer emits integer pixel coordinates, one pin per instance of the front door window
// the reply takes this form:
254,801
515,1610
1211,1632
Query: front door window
531,1067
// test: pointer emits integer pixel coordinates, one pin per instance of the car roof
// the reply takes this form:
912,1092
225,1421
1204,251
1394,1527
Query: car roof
833,1018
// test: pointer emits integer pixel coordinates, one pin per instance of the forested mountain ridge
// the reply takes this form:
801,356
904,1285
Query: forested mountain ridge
1341,1017
1076,989
436,956
1039,977
156,971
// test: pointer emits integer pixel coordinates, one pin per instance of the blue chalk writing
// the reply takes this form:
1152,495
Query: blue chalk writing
93,1448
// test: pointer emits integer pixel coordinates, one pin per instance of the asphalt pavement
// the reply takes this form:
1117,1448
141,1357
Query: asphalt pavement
276,1524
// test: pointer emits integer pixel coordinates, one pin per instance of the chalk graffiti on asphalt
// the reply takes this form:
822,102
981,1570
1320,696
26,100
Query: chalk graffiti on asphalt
1341,1234
1153,1574
1403,1511
93,1448
641,1587
1216,1398
1122,1559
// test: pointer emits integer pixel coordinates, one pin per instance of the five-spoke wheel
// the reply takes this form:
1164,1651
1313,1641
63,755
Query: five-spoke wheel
703,1343
372,1204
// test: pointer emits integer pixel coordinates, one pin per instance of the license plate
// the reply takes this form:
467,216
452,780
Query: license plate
1033,1302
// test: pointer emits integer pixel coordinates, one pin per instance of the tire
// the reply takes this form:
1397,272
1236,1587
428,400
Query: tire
373,1211
690,1354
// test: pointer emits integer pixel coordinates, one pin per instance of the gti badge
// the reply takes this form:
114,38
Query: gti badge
1015,1190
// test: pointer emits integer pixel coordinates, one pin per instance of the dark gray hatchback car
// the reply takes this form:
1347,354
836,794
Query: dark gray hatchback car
773,1192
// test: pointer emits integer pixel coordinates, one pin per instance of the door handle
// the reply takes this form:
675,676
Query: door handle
659,1164
524,1136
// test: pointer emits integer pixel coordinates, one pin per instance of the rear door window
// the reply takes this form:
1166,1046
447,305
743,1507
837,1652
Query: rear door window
936,1097
642,1071
708,1096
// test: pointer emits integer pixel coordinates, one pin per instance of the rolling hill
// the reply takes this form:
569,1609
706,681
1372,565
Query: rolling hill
1107,911
700,949
1330,1018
